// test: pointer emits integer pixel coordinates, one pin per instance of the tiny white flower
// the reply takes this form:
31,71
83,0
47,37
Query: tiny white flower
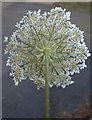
63,86
11,74
84,65
88,54
8,62
5,51
29,12
17,25
5,39
16,83
83,60
21,22
51,85
38,87
72,72
39,11
82,40
68,15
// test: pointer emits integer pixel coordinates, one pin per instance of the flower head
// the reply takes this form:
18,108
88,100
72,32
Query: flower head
51,31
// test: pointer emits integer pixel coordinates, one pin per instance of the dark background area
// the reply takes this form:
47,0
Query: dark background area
25,101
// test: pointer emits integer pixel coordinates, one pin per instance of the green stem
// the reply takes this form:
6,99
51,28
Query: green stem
46,83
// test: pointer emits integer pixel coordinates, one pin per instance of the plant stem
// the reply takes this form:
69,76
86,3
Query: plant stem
46,83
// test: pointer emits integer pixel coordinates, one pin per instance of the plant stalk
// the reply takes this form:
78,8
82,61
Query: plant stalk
46,84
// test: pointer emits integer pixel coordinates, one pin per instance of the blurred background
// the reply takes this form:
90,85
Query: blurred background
25,101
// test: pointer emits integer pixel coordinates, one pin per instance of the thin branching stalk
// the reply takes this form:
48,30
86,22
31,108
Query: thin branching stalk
46,84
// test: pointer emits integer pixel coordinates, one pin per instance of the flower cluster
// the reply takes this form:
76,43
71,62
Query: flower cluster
37,32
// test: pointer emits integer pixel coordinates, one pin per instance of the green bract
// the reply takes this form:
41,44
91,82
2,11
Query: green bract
50,32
